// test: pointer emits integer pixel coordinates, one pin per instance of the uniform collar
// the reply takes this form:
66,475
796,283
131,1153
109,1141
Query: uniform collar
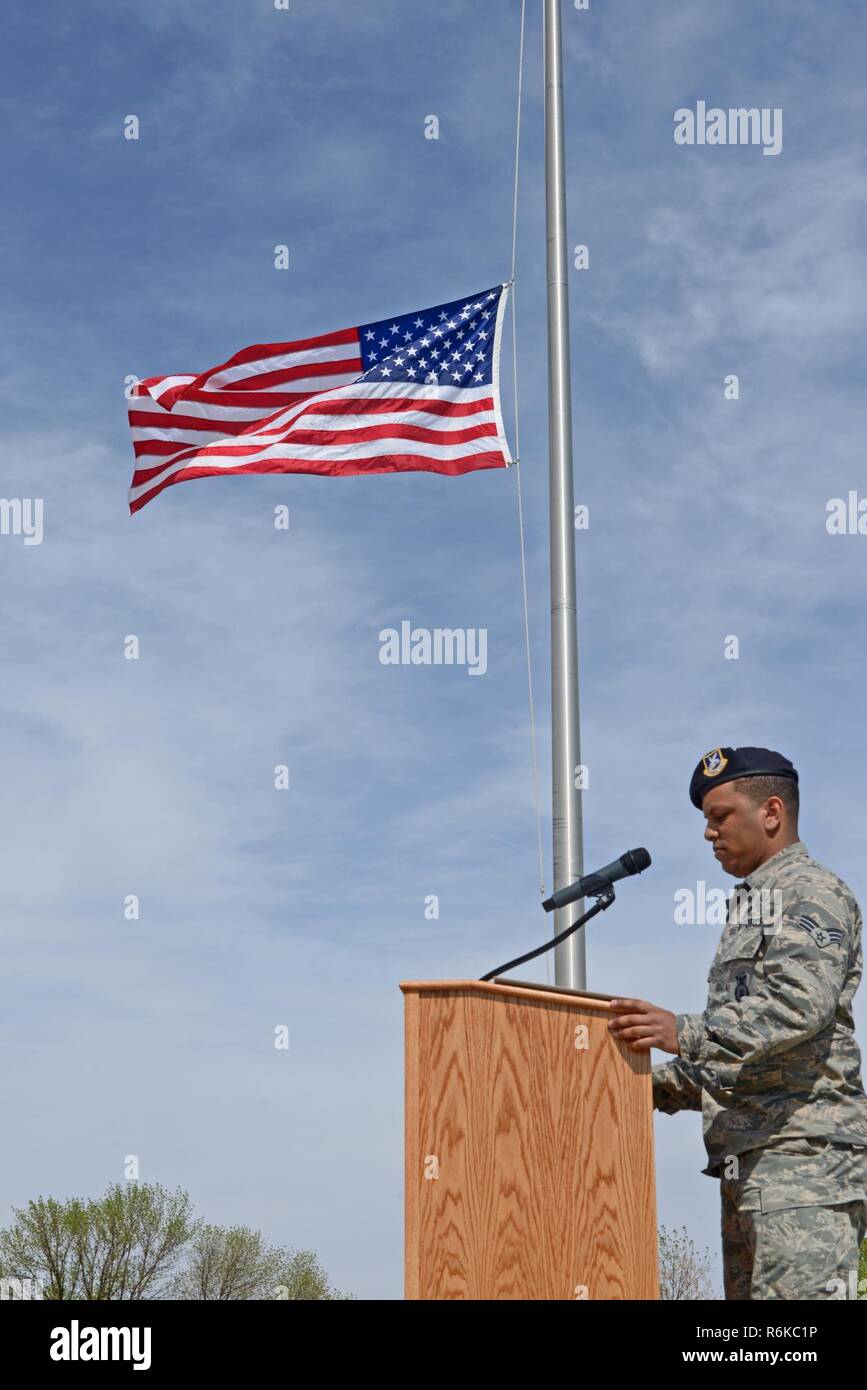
798,850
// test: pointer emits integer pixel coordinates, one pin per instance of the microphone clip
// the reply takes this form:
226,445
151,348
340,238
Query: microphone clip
604,896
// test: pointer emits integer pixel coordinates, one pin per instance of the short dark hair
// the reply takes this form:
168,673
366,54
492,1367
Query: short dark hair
758,789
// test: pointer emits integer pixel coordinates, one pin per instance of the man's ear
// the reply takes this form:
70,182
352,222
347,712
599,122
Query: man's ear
773,809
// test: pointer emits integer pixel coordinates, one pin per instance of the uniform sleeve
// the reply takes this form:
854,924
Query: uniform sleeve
805,968
675,1087
689,1028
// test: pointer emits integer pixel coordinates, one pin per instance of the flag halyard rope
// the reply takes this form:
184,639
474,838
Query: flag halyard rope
518,488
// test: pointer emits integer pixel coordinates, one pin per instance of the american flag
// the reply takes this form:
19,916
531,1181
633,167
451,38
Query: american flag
418,391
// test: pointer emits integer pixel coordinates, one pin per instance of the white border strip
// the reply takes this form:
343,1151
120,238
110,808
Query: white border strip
498,410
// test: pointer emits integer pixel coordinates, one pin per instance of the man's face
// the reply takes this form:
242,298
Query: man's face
735,828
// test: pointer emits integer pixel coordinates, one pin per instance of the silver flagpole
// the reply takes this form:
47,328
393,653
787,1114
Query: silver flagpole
570,963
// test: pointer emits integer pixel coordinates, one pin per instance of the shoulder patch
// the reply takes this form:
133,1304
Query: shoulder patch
823,936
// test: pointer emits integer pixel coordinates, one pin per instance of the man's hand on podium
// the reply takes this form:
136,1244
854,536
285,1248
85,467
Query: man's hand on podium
642,1025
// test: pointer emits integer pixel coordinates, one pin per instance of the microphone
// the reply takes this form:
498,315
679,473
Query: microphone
634,861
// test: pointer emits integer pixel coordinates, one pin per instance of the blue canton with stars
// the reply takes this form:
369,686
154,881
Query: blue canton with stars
449,345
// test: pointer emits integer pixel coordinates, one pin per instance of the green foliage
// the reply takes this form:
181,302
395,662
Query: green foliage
140,1241
120,1246
683,1273
300,1276
234,1262
224,1263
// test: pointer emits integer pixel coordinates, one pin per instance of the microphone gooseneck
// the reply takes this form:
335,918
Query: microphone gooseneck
599,885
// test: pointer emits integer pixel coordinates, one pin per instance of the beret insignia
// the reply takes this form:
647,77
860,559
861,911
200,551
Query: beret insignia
714,762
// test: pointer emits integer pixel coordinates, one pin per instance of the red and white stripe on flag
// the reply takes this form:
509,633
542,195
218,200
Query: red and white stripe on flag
419,392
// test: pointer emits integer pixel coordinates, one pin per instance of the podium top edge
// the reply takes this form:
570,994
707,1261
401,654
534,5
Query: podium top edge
535,992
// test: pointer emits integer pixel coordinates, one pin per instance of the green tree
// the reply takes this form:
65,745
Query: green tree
683,1273
129,1244
300,1276
121,1246
862,1271
226,1263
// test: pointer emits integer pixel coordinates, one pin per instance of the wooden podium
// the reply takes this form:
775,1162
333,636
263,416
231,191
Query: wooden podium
529,1147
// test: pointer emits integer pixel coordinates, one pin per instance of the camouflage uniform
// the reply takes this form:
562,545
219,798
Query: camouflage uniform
774,1067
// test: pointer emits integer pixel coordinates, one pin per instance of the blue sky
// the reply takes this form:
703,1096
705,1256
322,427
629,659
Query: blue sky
259,647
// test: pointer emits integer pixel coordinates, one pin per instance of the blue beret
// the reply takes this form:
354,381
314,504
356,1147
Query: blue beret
728,764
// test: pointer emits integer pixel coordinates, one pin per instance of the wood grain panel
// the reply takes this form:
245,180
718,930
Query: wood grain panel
529,1160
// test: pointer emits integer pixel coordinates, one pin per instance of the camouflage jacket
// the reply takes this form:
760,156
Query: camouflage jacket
773,1058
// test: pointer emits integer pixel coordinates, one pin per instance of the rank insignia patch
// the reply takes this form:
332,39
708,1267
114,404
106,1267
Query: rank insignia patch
823,936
